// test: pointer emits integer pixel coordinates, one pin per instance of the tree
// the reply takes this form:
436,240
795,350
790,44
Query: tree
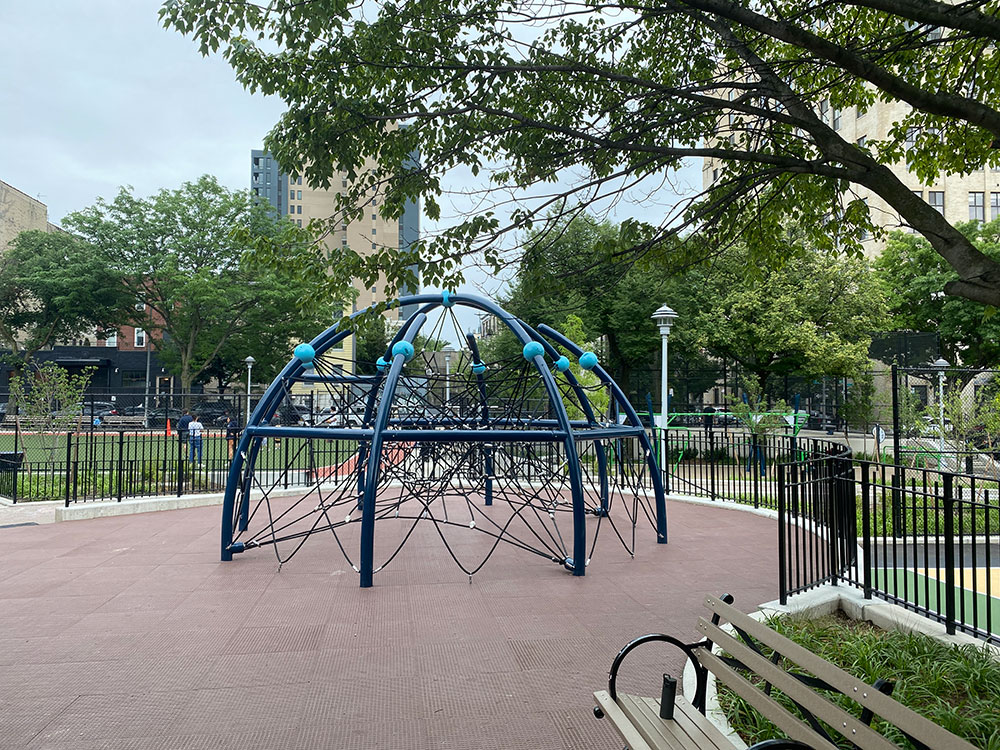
53,287
52,399
810,316
913,276
577,104
565,271
180,255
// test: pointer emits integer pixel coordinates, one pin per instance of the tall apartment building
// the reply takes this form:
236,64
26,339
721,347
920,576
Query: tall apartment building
959,198
295,199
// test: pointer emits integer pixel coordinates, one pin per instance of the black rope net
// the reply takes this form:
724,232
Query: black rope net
475,495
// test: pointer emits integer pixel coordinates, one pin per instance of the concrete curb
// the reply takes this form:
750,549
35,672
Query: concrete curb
82,511
726,504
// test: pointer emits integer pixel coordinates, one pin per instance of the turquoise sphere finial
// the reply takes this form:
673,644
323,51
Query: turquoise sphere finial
403,347
532,349
305,354
588,360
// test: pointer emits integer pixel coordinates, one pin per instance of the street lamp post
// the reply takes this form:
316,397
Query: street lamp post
941,365
664,318
249,363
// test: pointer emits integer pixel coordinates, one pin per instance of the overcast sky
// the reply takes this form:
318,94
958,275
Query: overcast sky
96,95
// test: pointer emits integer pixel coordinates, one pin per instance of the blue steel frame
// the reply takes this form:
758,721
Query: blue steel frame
371,439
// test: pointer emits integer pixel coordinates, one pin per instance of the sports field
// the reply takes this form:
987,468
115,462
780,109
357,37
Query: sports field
976,602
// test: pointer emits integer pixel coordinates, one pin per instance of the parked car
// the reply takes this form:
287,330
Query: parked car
87,410
213,412
158,416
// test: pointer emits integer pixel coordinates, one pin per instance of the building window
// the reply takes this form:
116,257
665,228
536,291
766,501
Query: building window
299,181
373,246
715,175
936,200
291,209
343,183
140,338
864,230
374,217
836,119
861,112
300,222
824,111
344,242
919,194
111,341
374,231
291,195
977,212
994,206
862,140
911,138
300,195
298,209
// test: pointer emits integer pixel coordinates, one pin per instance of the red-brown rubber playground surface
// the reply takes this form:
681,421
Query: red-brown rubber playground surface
128,632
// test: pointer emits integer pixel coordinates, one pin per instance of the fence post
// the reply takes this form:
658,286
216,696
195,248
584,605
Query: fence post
121,463
866,529
180,466
782,552
69,457
831,518
714,460
895,415
949,554
897,502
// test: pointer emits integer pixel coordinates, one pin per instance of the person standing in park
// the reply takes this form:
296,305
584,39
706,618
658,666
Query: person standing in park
183,424
194,428
232,434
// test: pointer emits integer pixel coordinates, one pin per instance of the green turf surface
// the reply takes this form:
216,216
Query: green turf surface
971,607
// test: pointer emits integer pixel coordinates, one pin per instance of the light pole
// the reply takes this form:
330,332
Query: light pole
664,318
941,365
249,363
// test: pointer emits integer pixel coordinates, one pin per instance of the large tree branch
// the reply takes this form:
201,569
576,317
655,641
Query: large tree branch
940,103
962,16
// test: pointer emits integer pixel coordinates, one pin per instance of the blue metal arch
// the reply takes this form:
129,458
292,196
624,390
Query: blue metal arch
371,441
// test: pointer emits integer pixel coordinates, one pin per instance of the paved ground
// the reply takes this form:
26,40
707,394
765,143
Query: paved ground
128,633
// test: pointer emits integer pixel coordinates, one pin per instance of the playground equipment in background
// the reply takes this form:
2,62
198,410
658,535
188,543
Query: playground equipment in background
511,450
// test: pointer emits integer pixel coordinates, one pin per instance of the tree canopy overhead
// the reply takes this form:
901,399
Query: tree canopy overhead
577,100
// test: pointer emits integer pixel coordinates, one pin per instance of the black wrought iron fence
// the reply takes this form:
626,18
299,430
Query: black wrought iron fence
925,539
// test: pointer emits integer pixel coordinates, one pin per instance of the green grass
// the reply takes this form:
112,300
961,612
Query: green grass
956,687
921,519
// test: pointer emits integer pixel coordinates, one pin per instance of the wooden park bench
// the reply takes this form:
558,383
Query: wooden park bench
682,725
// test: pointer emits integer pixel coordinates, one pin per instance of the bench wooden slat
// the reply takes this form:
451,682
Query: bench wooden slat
688,730
621,723
696,726
843,722
906,719
781,716
646,718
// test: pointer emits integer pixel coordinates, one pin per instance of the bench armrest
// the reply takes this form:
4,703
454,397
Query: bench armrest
687,648
779,745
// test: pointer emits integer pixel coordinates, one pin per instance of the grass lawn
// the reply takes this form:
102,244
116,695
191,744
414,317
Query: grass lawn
957,687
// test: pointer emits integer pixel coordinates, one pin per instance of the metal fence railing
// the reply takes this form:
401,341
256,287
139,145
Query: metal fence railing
925,539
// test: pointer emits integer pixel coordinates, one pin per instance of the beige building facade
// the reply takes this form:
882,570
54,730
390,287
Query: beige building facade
959,198
19,212
302,203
